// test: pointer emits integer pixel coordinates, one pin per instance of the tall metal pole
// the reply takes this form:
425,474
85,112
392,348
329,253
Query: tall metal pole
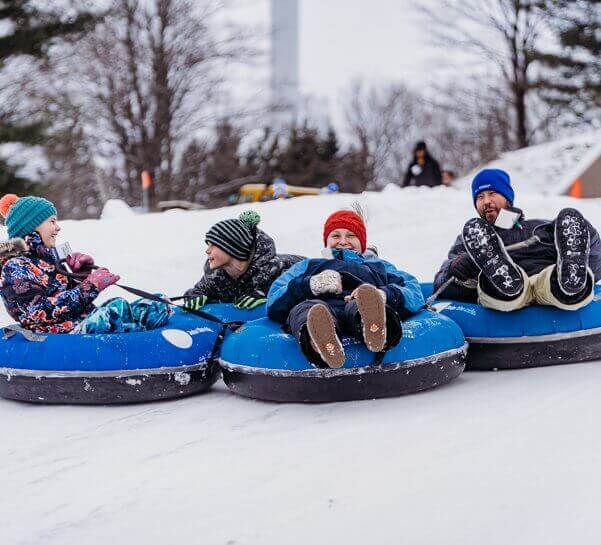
285,60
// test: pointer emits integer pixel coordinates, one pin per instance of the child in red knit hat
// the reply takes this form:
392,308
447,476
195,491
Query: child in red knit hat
352,292
345,229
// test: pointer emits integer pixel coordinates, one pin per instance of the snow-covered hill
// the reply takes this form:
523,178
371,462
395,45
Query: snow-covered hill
551,168
495,458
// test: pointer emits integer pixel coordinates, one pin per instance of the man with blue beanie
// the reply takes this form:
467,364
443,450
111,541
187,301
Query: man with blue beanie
552,262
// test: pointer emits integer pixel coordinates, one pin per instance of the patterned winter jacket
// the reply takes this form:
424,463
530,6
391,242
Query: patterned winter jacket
403,292
36,295
265,266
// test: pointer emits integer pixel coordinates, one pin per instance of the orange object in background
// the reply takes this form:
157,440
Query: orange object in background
146,179
576,189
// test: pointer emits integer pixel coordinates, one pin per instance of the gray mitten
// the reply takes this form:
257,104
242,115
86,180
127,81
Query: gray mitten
328,281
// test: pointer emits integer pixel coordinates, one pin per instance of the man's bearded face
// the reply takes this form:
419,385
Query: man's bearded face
489,204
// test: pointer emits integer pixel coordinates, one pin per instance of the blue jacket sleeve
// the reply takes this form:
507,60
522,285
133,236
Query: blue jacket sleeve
403,291
288,290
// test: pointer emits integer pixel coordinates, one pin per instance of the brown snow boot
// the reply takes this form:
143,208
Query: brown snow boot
372,309
323,337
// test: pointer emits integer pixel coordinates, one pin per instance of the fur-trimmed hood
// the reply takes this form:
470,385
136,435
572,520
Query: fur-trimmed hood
12,248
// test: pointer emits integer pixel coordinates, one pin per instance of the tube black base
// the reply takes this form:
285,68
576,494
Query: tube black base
105,389
501,356
342,385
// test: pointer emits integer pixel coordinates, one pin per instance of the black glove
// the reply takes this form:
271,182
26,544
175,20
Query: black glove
463,268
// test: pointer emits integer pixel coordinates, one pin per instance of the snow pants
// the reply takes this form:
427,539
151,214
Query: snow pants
120,316
537,290
347,320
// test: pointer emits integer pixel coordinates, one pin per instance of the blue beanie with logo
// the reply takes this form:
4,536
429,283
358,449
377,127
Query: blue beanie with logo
493,179
23,215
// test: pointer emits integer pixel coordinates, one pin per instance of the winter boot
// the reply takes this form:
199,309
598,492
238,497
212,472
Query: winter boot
486,248
372,309
323,337
572,240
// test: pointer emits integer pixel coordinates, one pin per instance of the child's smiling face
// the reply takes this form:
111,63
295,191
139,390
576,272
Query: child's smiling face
343,239
216,257
49,231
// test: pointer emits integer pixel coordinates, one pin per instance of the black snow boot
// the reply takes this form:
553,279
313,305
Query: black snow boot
487,250
572,240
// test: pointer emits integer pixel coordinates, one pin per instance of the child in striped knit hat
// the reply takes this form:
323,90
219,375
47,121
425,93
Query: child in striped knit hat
241,264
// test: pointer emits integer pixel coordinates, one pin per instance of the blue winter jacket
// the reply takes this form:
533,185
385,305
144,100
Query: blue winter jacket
402,289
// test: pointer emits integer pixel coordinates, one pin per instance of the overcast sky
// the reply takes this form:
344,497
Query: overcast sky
375,39
345,39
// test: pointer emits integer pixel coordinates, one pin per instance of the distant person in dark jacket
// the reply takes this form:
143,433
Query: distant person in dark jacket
241,265
424,170
557,263
350,292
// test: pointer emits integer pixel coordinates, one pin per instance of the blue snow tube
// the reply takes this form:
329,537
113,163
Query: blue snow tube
531,337
176,360
261,361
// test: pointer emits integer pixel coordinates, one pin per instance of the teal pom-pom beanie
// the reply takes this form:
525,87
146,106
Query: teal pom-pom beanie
27,213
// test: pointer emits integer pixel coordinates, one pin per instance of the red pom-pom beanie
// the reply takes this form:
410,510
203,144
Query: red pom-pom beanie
346,219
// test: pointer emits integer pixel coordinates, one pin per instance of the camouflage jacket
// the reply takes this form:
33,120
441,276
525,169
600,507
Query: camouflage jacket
265,266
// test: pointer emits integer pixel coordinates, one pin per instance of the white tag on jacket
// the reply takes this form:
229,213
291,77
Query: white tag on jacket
506,219
63,250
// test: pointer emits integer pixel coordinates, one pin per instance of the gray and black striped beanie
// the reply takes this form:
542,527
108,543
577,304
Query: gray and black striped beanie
235,237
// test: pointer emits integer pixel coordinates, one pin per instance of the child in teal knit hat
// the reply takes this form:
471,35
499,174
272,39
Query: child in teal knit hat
37,291
34,291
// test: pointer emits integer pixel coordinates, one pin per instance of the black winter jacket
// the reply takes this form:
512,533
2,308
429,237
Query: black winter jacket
532,259
265,266
429,176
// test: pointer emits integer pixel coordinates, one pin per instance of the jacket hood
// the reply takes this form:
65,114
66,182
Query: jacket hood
264,250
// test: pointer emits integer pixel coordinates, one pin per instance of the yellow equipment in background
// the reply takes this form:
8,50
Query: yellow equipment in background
268,192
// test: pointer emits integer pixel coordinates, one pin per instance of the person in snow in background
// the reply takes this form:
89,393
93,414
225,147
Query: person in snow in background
352,293
241,265
424,170
33,287
558,266
448,177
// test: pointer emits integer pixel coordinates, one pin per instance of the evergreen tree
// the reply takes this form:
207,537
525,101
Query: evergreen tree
223,161
31,31
308,159
572,80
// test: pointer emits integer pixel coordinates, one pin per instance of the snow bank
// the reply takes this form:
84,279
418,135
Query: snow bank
550,168
116,208
494,458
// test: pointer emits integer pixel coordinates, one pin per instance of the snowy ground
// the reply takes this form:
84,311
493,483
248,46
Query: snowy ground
494,458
